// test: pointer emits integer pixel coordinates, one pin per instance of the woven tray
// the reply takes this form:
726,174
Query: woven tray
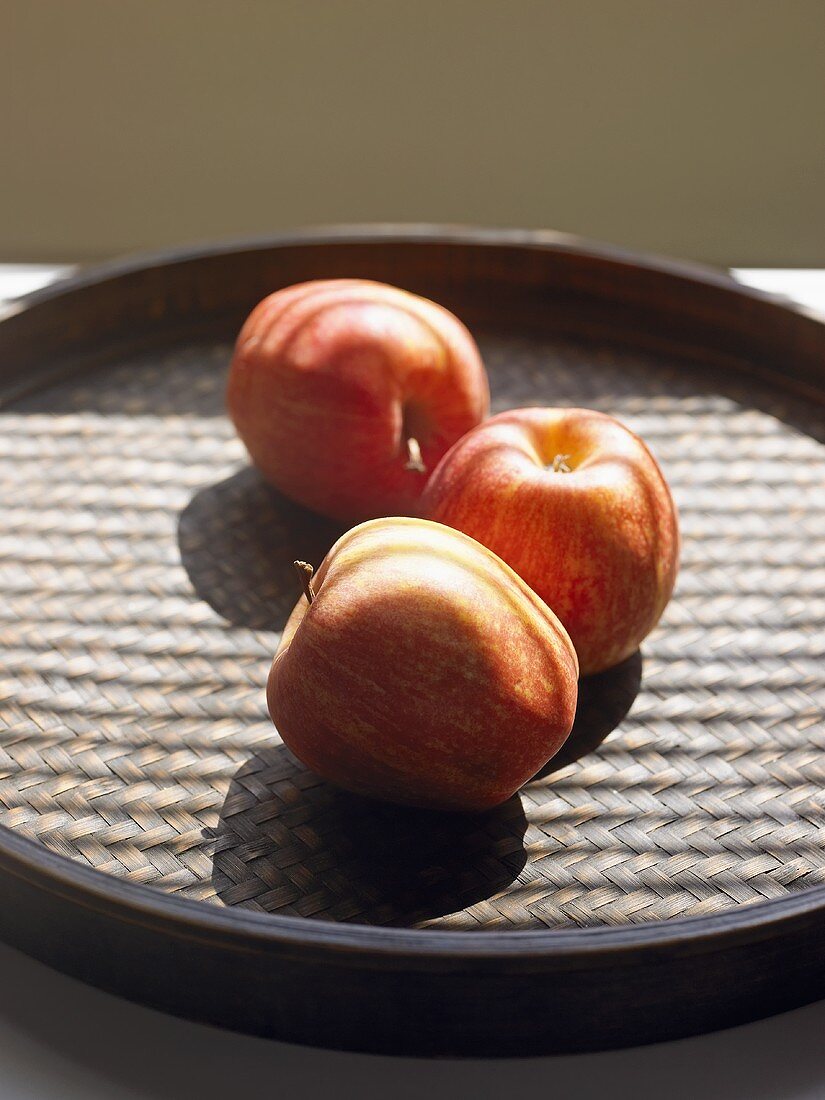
145,572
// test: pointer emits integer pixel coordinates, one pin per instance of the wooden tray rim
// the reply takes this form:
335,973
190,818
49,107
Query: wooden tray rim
545,240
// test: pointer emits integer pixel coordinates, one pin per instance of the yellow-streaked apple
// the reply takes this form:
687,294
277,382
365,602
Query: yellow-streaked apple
418,668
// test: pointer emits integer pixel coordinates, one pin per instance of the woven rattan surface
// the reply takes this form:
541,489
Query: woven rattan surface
145,571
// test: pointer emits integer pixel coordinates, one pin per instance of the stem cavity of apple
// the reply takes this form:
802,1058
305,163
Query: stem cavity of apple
305,571
560,465
414,459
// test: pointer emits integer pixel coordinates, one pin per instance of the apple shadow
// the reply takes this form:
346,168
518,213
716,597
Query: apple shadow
238,540
288,843
604,700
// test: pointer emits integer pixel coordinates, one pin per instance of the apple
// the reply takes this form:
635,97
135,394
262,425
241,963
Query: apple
347,393
419,669
577,505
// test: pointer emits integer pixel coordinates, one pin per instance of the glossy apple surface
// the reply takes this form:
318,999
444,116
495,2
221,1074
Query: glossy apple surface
347,393
424,671
577,505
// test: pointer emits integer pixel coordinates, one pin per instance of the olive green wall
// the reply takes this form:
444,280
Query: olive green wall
691,127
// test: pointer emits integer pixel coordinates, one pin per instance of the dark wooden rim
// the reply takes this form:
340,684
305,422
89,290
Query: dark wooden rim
389,232
380,947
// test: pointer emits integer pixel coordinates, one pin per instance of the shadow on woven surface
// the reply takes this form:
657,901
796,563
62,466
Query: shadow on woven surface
238,540
287,842
604,700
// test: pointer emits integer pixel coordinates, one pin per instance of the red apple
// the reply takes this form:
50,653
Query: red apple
420,669
577,505
347,393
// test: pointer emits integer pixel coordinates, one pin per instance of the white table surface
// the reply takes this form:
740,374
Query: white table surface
60,1040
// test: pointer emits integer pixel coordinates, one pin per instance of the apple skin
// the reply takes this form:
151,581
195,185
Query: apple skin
599,544
330,378
424,671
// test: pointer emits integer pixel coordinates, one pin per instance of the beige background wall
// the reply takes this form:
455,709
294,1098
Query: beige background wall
692,127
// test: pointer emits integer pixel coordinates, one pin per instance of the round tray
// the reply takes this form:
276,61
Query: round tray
663,877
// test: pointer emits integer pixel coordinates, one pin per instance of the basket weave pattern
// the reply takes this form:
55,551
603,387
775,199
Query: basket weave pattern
145,571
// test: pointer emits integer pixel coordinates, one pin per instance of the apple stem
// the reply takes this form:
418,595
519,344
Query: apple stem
414,460
560,465
305,571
